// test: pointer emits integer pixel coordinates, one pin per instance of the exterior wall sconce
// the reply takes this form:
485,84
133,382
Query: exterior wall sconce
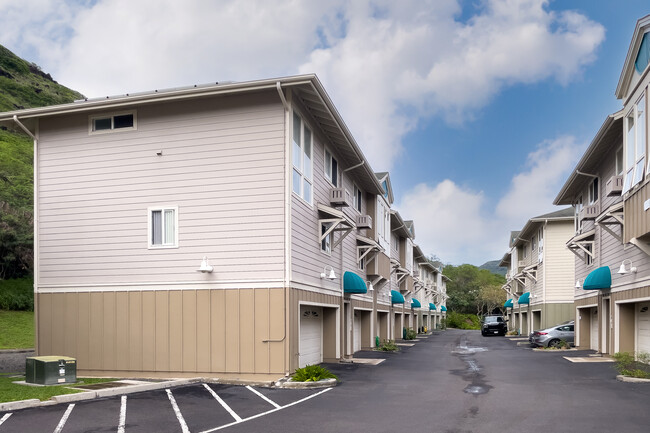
205,267
329,275
577,286
369,284
623,270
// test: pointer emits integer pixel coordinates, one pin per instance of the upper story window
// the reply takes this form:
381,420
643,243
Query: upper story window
533,242
302,159
409,255
384,185
524,251
383,223
593,191
643,56
357,198
124,121
163,227
589,259
619,162
635,143
331,168
326,243
578,208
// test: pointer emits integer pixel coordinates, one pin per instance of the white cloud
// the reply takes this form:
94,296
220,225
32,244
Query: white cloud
459,226
388,65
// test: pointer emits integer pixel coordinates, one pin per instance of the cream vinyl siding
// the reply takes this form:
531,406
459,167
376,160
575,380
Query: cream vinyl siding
559,262
307,259
222,165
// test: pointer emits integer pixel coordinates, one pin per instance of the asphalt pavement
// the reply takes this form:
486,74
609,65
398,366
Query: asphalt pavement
452,381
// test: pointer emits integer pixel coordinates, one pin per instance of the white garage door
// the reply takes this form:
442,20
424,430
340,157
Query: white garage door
643,327
357,332
593,330
311,335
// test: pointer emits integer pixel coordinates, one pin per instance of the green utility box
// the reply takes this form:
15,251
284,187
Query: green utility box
50,370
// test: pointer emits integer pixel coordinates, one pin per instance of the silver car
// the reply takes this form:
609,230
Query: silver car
553,336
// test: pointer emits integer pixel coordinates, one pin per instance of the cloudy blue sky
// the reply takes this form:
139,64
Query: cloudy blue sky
478,108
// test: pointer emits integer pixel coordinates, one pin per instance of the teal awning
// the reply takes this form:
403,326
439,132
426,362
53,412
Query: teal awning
432,306
415,303
352,283
443,308
396,297
508,304
524,299
597,279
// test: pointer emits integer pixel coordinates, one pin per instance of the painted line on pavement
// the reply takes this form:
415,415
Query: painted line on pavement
178,413
223,403
262,396
269,412
122,424
4,418
64,418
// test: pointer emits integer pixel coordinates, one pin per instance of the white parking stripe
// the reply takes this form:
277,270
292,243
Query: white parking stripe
177,411
122,425
268,412
223,403
262,396
64,418
4,418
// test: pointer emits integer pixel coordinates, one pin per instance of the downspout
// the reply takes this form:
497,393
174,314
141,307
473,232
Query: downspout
36,243
354,166
586,174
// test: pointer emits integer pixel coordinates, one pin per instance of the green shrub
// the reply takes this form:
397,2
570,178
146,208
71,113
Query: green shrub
462,321
388,346
627,365
410,334
312,373
17,294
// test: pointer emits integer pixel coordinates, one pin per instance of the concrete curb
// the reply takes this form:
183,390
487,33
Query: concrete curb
628,379
289,384
539,349
3,351
20,404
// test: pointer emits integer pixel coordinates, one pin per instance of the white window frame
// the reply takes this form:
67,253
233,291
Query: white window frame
593,191
91,122
361,264
533,243
305,176
358,198
165,244
589,259
578,208
328,166
620,162
634,173
326,243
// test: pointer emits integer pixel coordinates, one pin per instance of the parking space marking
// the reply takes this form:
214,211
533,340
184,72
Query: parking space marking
262,396
223,403
122,423
64,418
4,418
177,411
269,411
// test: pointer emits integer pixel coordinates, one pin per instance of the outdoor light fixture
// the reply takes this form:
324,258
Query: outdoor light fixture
205,267
623,270
369,284
330,276
577,286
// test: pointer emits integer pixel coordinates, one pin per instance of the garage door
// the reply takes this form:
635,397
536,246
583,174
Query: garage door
311,335
643,327
593,330
357,332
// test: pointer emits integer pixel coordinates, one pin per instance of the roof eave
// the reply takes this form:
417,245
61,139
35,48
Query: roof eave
627,71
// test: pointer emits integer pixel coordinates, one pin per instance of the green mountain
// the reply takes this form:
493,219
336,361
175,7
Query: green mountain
22,85
493,266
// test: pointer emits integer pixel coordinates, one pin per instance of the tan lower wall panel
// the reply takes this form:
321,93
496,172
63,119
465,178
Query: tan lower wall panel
167,333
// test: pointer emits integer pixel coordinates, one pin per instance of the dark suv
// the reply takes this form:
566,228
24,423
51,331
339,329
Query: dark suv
491,325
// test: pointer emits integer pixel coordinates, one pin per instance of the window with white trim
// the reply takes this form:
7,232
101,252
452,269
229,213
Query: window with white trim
533,242
578,208
635,142
540,246
589,260
302,159
326,243
123,121
357,198
163,227
619,162
362,261
331,168
593,191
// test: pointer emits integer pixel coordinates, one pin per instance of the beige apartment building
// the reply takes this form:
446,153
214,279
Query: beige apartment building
540,276
233,229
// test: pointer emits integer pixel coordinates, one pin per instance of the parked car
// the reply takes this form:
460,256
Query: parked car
491,325
553,336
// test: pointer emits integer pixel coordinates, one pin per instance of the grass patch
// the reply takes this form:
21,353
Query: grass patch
10,391
17,294
626,365
312,373
16,329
